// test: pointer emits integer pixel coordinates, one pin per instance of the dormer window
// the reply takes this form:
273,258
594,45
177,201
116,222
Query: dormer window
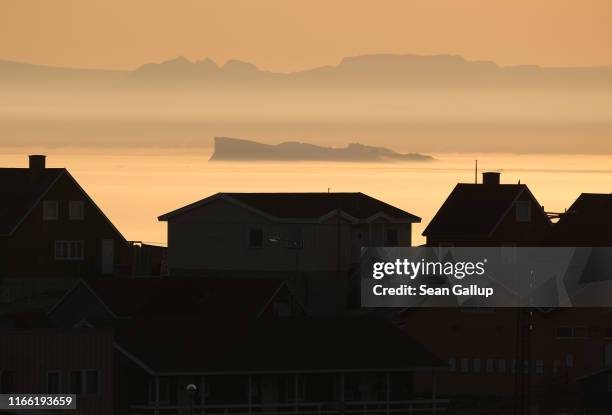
76,210
50,210
523,211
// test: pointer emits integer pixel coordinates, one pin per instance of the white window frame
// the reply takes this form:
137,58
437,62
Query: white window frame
74,207
65,255
46,210
523,204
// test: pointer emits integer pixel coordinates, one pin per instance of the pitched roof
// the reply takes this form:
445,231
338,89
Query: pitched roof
589,218
306,205
130,297
20,194
282,344
473,210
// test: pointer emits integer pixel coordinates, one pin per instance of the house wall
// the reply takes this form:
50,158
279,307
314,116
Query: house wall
215,236
30,251
31,354
474,336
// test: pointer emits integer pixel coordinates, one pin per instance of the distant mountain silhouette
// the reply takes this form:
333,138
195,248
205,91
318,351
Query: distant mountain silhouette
245,150
353,72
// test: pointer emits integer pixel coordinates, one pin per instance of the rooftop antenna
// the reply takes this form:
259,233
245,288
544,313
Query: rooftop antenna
476,173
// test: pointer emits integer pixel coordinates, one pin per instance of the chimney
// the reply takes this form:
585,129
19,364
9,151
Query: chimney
490,178
37,166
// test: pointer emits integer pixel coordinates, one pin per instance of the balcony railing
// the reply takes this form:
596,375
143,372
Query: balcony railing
411,407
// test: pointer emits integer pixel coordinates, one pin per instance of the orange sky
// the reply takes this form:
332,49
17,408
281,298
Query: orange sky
289,35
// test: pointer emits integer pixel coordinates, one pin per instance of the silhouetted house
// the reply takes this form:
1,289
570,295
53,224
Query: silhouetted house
45,361
488,365
281,232
49,226
101,301
587,222
290,365
489,214
246,345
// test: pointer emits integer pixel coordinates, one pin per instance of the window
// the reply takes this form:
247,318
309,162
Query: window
489,366
54,383
556,365
501,365
68,250
572,332
255,237
465,365
476,367
164,391
7,381
391,237
91,382
282,308
50,210
452,364
76,382
84,382
292,385
569,360
295,240
539,369
76,210
523,211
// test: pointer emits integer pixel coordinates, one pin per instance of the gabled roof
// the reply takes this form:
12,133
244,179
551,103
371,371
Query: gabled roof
131,297
588,218
302,344
20,194
474,210
306,205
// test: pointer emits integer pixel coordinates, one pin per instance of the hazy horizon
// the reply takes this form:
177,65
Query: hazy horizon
281,36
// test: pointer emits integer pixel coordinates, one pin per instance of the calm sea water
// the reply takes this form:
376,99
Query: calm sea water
135,186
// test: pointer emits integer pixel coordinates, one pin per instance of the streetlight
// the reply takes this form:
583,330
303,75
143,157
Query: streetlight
191,391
